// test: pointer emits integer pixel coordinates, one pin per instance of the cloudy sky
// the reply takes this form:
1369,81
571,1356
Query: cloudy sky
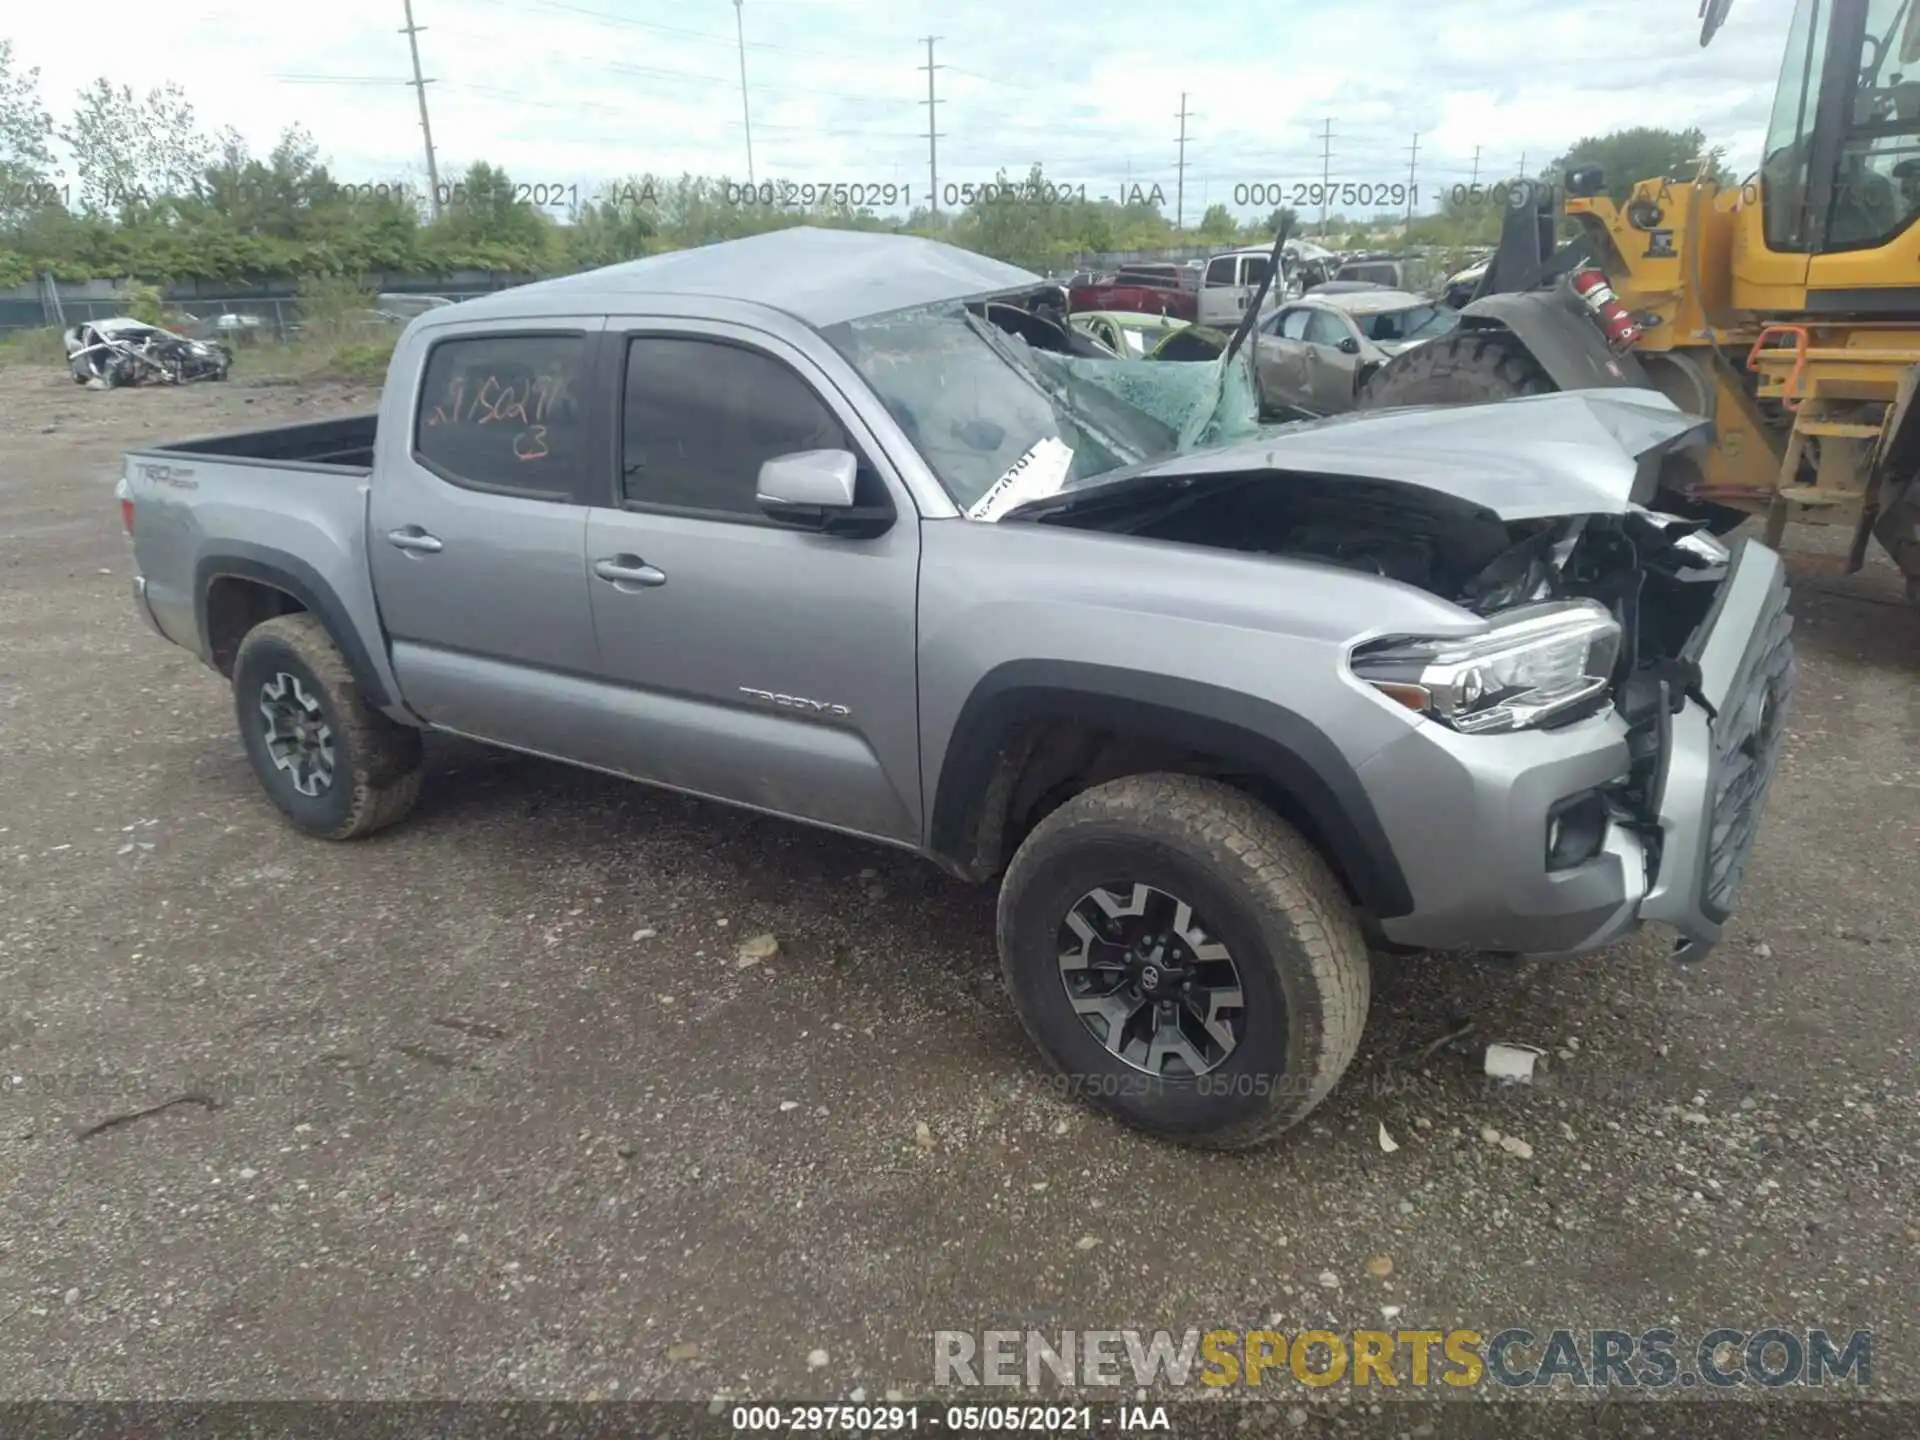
578,91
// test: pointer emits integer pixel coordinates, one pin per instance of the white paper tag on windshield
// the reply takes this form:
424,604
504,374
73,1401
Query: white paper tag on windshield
1039,472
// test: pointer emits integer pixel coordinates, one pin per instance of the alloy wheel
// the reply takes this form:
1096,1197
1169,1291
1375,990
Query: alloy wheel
1151,981
299,740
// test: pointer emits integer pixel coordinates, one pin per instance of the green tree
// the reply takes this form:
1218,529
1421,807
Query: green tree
1641,153
27,171
1217,226
128,150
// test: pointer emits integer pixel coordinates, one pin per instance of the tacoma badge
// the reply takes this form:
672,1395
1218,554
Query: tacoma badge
796,702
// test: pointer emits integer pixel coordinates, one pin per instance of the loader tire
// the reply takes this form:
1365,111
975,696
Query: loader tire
1215,936
336,766
1468,367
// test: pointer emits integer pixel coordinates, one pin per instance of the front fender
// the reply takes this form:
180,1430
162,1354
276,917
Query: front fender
1257,736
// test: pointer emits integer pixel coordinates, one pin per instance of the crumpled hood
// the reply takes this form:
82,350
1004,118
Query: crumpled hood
1581,452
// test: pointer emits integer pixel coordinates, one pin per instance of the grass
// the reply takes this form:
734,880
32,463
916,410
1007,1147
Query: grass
33,347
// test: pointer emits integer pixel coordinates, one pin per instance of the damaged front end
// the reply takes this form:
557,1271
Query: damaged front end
107,354
1619,679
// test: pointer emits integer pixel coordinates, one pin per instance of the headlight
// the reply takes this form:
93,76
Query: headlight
1527,667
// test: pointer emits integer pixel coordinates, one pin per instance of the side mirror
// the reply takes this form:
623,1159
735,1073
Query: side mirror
1349,346
815,490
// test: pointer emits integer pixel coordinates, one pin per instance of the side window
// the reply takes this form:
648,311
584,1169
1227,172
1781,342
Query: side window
1220,271
502,412
1253,269
1325,328
700,416
1293,324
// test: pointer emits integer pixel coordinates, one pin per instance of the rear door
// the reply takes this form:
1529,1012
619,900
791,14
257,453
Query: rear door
477,524
1253,270
1220,292
752,662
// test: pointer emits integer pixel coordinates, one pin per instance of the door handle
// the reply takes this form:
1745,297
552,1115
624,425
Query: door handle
412,537
624,570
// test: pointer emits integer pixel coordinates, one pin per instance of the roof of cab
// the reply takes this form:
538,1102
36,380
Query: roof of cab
821,277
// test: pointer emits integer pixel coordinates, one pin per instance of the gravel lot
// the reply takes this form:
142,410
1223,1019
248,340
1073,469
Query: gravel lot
487,1107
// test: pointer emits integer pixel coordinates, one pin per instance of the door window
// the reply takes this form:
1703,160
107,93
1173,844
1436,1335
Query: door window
502,413
1220,271
1787,163
1253,269
1325,328
1293,324
701,416
1876,192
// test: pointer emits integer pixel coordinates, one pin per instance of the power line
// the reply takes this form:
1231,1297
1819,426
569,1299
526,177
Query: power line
1326,171
933,167
1413,166
1180,173
606,18
412,32
740,30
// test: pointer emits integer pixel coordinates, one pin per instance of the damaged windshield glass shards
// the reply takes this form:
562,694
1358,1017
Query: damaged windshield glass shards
978,404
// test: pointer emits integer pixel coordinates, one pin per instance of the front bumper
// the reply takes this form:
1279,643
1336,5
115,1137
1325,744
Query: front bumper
1722,750
1468,816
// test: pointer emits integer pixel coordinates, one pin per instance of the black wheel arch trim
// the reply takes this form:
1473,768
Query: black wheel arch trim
281,571
1266,739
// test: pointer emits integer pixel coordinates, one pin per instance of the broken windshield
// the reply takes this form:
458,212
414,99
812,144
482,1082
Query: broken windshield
977,402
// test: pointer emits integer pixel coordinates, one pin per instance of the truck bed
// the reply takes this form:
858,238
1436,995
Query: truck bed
345,443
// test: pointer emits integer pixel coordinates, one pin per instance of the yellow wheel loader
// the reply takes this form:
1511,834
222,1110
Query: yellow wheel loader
1785,307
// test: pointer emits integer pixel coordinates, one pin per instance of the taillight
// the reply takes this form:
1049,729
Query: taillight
1597,295
126,516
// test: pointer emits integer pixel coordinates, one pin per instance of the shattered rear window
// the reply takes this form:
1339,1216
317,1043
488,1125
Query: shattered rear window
977,402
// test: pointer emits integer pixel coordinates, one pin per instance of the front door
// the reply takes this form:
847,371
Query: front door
1280,360
1330,370
754,662
477,524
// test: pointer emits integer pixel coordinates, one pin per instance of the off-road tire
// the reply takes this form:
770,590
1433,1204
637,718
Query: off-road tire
1269,896
376,766
1468,367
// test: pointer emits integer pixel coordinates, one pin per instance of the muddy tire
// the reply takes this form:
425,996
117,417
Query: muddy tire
1468,367
1184,959
336,767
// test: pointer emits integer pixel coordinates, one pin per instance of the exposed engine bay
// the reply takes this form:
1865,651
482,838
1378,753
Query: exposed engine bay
1656,573
106,354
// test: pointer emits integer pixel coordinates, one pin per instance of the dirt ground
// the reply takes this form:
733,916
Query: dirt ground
485,1108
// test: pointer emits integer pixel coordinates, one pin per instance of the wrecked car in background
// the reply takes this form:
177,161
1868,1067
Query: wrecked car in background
1218,705
106,354
1128,333
1313,355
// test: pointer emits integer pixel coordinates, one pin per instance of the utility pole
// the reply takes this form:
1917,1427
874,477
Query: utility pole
933,154
740,30
1413,169
1523,164
1180,171
1476,167
412,33
1326,172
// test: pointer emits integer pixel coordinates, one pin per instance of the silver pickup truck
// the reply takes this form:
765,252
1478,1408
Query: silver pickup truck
783,523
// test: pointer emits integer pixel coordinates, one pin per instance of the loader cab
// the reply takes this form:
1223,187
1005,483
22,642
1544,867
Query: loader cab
1839,181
